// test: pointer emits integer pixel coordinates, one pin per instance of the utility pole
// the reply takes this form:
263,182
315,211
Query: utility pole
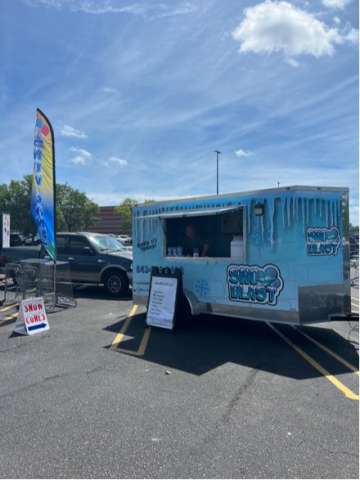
217,170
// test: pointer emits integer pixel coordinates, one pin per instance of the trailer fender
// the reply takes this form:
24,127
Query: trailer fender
196,307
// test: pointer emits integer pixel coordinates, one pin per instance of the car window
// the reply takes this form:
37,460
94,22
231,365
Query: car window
77,245
62,244
106,243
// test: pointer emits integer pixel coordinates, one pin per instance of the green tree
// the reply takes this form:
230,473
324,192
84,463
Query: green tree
354,229
15,199
124,210
74,211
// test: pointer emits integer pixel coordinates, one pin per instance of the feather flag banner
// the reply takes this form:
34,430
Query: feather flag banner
43,184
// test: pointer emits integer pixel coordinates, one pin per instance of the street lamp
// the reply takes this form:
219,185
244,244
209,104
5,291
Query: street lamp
217,170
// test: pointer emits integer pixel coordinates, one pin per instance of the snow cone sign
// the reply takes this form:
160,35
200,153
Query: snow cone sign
322,241
254,284
32,317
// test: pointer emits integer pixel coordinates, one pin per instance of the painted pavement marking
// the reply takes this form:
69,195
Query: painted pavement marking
121,335
329,351
331,378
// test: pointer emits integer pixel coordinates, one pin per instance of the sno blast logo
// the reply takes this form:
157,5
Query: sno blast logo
322,240
254,284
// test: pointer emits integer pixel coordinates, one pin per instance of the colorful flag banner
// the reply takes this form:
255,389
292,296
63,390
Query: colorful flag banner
43,186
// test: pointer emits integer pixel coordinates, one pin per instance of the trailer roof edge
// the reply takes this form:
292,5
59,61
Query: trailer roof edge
250,192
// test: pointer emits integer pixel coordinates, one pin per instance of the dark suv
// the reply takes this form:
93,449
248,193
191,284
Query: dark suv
96,258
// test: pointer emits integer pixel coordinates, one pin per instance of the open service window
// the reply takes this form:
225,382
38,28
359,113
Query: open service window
216,233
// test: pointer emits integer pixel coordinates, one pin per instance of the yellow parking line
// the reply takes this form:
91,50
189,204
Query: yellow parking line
8,317
120,336
144,342
345,390
140,352
8,307
329,351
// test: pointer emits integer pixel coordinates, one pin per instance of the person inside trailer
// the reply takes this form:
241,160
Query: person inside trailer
193,245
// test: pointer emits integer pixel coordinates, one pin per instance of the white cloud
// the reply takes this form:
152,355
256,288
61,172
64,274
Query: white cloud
116,161
337,20
294,63
68,131
110,90
339,4
242,153
352,36
102,7
279,26
79,160
82,156
81,151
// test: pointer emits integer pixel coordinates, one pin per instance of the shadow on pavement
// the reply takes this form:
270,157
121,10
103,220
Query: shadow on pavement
98,293
208,342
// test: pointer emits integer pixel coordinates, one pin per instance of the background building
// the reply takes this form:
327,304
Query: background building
108,221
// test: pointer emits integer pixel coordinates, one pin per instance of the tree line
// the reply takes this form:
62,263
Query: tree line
125,212
74,210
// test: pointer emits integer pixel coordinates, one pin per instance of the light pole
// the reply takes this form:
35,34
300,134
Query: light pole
217,170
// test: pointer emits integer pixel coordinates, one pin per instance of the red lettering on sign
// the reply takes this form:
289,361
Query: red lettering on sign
30,307
40,306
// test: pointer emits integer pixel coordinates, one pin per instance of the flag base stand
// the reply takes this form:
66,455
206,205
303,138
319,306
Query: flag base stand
37,277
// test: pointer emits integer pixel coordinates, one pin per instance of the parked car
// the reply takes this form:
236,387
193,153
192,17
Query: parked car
16,239
125,239
32,240
124,247
93,258
16,254
354,245
96,258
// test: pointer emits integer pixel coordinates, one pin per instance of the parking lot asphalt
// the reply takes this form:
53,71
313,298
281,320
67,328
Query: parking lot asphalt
101,395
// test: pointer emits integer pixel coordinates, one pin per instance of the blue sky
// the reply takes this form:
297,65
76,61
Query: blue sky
141,93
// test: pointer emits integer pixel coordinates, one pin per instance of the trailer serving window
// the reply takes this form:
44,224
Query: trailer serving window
210,233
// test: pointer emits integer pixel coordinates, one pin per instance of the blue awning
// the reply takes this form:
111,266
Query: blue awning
193,213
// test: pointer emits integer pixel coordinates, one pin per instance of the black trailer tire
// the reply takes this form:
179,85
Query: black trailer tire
116,283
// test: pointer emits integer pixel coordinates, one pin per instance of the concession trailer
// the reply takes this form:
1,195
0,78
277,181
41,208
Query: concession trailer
279,255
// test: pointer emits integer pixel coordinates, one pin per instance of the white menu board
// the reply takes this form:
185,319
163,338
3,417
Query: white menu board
162,300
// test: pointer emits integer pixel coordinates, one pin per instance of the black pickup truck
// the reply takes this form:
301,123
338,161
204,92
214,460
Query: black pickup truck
93,259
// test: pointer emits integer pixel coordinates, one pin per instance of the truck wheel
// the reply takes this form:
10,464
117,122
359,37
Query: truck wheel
116,283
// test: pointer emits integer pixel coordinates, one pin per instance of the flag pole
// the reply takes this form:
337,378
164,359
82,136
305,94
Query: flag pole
54,195
54,187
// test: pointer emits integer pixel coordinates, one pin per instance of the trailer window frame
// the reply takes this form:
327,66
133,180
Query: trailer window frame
195,214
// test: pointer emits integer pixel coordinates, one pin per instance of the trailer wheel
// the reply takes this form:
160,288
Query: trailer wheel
116,283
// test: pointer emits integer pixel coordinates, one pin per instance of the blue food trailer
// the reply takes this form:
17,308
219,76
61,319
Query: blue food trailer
278,255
